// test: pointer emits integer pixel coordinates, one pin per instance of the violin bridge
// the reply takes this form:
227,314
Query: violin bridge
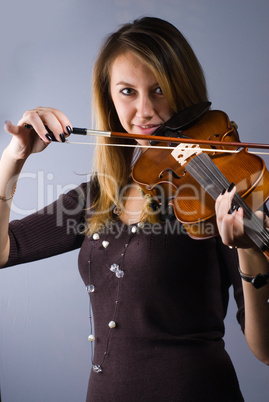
184,151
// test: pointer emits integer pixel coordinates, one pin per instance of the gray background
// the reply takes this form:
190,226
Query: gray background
47,54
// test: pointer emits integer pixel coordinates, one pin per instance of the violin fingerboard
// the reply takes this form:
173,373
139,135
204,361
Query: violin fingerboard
204,170
208,175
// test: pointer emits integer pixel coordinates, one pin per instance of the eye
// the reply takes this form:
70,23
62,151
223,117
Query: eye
158,90
127,91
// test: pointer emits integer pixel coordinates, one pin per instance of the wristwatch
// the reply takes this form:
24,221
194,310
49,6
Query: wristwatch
257,281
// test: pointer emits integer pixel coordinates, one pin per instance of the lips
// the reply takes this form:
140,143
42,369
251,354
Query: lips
146,129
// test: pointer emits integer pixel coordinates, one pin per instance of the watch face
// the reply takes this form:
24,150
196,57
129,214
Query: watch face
259,281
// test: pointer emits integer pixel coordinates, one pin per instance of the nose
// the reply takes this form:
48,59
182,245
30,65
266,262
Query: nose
145,107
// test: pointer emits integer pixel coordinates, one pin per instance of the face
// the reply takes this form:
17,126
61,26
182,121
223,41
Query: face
137,96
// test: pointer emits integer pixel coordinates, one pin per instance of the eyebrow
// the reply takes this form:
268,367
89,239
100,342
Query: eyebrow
128,84
124,83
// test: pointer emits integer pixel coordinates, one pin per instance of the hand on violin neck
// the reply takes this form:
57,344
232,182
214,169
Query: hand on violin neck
230,220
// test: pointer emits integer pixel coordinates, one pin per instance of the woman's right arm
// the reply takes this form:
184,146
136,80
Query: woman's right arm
24,142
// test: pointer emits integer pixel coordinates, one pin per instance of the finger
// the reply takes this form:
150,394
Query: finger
226,229
238,223
48,123
224,202
230,196
64,121
14,129
31,119
232,229
63,127
263,217
11,128
229,219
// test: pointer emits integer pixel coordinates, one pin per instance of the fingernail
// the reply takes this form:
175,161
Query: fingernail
69,130
27,125
232,209
48,137
62,137
231,186
50,133
223,191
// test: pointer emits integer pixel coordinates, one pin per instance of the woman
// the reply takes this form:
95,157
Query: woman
159,298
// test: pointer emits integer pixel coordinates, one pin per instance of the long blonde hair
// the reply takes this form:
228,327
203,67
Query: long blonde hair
178,72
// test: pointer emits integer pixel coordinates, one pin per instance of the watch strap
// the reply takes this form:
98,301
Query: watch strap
257,281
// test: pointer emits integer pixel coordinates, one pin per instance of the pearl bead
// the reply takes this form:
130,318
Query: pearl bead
95,236
114,267
112,324
134,229
90,288
97,368
119,273
105,243
91,338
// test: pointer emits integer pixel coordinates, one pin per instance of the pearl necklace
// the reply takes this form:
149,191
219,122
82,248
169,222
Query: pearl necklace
117,268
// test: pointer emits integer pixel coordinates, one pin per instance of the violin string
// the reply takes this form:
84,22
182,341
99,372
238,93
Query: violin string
260,231
252,222
222,182
234,151
204,165
261,234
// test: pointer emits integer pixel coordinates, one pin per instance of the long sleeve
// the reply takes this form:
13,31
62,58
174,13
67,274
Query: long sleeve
56,229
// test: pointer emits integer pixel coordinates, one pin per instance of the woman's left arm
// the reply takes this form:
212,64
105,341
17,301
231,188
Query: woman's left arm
252,262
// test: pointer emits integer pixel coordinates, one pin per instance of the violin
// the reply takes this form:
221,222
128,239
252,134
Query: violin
190,179
202,156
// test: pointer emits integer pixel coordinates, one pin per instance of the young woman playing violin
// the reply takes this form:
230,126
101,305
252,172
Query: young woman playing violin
159,297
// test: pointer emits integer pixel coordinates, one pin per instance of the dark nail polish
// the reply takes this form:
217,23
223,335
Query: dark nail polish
50,133
48,137
231,186
232,209
69,130
223,191
28,126
48,129
62,137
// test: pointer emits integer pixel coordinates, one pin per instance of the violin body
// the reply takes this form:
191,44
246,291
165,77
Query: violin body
164,177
